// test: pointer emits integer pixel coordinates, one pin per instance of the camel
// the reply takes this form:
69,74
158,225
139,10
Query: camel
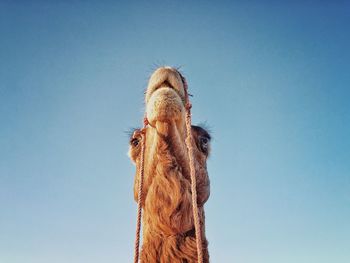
168,224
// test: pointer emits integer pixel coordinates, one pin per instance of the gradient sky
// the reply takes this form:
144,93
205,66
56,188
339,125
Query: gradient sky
272,80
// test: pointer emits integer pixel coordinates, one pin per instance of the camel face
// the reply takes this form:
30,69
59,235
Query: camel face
165,106
166,198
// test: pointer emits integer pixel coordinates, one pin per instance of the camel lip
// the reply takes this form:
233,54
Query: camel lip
164,105
166,84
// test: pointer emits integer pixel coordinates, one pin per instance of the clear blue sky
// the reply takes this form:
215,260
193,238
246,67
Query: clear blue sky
271,79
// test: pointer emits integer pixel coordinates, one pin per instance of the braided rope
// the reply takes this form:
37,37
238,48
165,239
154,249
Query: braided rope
193,182
139,199
193,176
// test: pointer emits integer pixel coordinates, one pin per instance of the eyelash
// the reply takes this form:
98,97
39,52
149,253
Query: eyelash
134,142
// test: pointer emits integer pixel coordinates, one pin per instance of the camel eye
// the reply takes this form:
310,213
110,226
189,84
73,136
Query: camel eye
204,141
134,142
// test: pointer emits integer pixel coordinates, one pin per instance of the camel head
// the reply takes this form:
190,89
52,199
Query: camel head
165,100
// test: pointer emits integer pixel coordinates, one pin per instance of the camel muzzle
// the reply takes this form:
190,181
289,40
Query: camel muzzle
165,96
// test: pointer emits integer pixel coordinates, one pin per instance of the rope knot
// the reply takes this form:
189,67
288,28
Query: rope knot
188,105
145,121
143,132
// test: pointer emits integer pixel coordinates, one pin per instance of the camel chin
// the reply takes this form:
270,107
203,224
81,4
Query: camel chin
165,106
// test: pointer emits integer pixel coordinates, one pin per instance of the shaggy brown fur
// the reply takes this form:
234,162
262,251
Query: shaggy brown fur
168,227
